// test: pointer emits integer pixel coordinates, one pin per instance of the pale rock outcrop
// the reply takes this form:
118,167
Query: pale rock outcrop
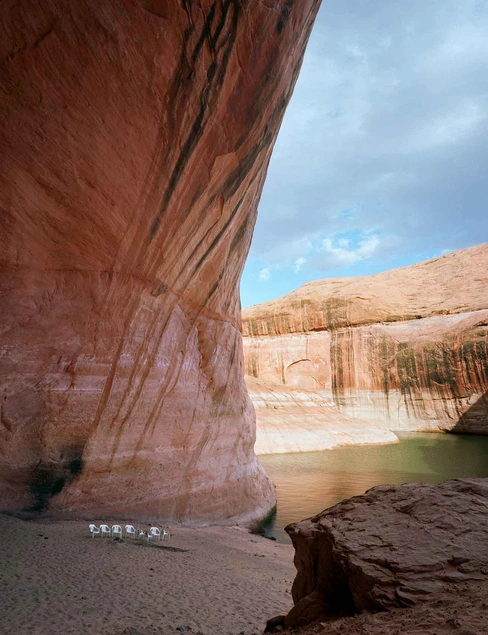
305,421
394,546
134,142
406,349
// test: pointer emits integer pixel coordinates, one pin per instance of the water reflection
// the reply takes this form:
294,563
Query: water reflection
309,482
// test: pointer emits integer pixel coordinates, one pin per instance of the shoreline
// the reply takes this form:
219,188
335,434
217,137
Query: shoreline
292,433
326,447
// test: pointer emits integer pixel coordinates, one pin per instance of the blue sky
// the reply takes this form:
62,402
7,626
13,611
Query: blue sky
382,157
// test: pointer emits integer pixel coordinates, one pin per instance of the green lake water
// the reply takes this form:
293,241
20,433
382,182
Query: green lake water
309,482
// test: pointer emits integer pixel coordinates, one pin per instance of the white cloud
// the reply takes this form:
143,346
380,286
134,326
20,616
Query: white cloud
335,254
264,274
385,131
288,251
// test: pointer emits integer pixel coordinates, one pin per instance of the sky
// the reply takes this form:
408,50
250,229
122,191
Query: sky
382,157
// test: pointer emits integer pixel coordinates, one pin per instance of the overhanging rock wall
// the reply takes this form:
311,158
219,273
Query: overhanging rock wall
134,142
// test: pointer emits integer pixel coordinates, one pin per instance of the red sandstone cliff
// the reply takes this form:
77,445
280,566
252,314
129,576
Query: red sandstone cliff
134,141
404,349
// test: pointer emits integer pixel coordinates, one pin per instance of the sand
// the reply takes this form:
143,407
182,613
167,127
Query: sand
56,579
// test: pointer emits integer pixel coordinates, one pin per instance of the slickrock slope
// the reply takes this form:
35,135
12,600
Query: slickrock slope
405,349
394,546
134,141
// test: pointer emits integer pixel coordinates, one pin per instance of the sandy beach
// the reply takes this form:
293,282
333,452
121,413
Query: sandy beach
54,578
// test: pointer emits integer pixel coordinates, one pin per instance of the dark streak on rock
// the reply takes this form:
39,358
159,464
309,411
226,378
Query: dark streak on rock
284,15
217,238
239,235
196,130
161,288
237,176
49,478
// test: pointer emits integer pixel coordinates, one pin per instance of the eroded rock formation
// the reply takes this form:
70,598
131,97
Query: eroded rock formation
394,546
406,349
134,141
299,420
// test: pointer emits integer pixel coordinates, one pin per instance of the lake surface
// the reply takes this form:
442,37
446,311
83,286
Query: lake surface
309,482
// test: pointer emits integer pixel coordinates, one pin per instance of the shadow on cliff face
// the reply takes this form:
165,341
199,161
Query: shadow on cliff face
49,478
475,419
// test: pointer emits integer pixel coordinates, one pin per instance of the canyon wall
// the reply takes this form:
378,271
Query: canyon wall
299,420
406,349
134,142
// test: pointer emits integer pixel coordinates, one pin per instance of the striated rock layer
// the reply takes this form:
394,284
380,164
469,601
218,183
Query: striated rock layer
134,141
394,546
298,420
406,349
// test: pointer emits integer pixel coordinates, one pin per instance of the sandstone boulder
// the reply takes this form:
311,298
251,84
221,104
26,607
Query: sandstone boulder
394,546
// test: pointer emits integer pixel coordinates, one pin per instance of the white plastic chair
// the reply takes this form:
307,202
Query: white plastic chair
116,531
154,532
94,530
141,533
104,530
130,531
164,533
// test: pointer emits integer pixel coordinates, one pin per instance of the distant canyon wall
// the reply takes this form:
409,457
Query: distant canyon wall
400,350
134,143
291,419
